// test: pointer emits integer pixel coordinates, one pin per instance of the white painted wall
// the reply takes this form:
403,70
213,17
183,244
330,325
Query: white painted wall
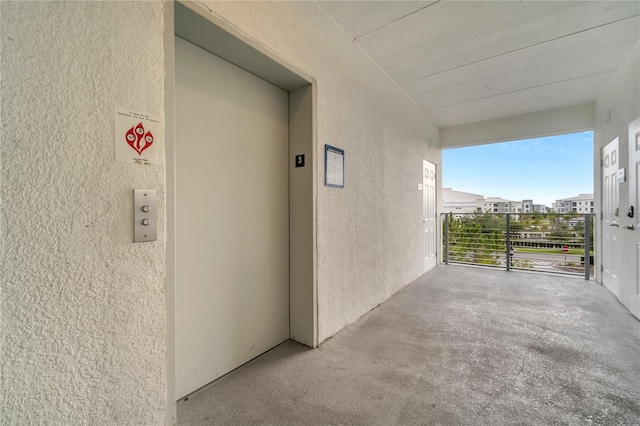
622,97
83,308
369,233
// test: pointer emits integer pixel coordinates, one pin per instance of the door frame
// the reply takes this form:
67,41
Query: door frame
633,143
603,202
436,218
198,25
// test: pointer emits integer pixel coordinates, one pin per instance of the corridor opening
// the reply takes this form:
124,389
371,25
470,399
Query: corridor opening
529,206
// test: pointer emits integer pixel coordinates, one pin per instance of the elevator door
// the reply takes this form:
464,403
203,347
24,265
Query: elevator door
232,216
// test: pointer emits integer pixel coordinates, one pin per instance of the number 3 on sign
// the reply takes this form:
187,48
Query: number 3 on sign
300,160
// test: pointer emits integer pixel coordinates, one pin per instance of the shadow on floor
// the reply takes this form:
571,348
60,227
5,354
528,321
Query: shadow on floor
458,346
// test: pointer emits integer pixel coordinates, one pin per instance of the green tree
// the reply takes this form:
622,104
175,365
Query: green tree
477,238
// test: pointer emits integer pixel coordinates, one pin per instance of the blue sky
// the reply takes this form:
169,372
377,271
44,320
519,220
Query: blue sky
542,169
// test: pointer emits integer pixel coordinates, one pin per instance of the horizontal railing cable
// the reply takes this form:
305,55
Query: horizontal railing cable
538,242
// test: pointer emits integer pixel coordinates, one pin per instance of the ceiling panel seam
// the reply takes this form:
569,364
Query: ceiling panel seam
368,55
395,20
518,49
521,90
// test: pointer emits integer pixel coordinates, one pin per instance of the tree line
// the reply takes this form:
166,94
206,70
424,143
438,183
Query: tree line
481,238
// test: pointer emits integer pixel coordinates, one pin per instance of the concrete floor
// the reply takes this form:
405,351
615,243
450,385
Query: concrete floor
458,346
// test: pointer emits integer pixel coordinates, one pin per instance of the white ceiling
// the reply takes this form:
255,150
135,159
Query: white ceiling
469,61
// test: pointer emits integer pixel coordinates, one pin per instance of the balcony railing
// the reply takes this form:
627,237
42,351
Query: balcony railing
538,242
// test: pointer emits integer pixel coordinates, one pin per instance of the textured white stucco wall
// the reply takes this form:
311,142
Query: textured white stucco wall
622,97
82,306
370,240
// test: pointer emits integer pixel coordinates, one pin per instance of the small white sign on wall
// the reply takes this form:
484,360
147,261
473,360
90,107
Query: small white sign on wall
333,166
137,137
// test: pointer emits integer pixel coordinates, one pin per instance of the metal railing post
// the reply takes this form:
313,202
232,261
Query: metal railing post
446,238
508,242
587,246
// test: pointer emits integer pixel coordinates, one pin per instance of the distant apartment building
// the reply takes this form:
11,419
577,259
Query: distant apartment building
500,205
529,207
583,203
459,202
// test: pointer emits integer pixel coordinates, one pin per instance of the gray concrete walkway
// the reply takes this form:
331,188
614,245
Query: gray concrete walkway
459,346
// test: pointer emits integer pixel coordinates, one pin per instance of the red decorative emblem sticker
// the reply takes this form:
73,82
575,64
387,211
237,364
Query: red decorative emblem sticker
138,139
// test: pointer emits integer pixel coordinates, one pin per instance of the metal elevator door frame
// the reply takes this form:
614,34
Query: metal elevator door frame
198,25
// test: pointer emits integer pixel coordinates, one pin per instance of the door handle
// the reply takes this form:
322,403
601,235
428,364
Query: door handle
630,227
616,225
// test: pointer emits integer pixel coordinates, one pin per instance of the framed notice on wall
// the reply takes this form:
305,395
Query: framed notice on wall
333,166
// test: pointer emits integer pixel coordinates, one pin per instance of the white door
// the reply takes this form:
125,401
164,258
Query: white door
610,216
430,221
634,200
232,217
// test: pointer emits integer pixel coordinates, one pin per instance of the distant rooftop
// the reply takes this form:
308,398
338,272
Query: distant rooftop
452,195
497,200
578,198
